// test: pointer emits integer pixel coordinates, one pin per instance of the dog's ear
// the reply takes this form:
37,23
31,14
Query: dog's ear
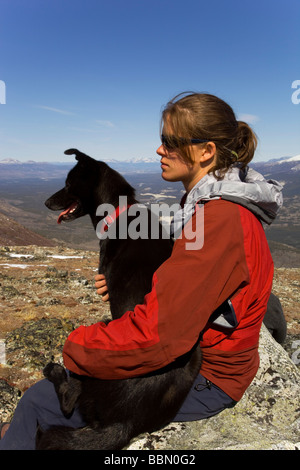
81,157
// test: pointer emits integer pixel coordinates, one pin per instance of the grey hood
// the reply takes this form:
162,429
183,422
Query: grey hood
246,187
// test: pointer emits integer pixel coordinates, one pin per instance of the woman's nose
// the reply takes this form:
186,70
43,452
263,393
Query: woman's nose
161,150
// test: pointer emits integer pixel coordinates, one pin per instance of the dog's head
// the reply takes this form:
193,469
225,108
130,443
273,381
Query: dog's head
77,197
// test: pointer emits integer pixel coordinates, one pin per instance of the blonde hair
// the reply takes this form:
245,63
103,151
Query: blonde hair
204,116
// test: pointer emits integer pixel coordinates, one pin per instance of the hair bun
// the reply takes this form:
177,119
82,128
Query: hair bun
246,142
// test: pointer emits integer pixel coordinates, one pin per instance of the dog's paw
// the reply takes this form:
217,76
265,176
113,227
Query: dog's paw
55,372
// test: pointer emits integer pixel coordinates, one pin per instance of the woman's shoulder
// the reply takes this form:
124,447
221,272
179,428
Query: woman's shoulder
221,208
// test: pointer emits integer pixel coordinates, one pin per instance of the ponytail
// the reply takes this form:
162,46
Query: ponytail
246,143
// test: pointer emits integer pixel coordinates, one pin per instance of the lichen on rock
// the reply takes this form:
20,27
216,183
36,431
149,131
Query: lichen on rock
36,343
9,397
266,418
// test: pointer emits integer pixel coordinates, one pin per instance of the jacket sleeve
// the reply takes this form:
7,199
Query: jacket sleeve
186,289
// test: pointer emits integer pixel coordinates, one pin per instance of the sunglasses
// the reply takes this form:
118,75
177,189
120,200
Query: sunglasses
171,142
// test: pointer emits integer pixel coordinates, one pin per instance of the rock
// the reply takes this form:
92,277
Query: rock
9,397
267,417
37,342
9,291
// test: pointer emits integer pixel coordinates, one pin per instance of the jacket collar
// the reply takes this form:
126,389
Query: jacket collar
246,187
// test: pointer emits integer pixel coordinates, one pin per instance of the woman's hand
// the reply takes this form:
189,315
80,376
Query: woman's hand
101,287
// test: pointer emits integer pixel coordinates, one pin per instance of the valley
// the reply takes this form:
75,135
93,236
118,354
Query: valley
25,186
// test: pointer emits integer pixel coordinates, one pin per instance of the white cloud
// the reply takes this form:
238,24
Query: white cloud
55,110
249,118
106,123
83,129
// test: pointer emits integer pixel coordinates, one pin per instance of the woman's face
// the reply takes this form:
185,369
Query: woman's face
176,168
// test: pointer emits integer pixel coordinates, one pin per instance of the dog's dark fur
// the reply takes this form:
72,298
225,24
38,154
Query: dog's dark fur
115,411
274,319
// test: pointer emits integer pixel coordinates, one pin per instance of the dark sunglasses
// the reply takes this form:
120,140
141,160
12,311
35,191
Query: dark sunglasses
171,142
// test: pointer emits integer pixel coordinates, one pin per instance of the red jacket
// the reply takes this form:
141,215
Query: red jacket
234,263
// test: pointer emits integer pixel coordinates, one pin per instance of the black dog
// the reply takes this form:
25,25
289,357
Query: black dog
115,411
136,405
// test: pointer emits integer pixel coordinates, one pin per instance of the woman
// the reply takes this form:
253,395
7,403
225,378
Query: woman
218,288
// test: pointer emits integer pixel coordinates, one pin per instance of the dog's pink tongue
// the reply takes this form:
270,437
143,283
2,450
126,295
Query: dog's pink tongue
61,215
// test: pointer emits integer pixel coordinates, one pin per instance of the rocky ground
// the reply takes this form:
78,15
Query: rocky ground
266,418
45,292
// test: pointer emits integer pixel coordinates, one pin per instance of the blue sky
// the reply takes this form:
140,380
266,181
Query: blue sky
95,74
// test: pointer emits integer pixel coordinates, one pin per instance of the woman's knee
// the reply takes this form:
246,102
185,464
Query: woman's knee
40,392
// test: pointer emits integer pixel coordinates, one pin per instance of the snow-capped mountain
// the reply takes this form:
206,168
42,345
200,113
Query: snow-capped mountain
9,161
30,169
289,159
276,166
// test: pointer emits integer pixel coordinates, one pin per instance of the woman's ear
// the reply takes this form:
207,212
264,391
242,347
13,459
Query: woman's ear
208,152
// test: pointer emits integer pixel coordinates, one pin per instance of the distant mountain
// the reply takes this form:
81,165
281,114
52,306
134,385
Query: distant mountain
24,186
12,161
277,166
13,170
9,161
136,165
10,169
290,159
285,170
49,170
